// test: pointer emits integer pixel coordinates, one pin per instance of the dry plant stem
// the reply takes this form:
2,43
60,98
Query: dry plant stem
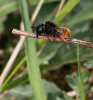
13,57
42,47
34,15
11,60
1,52
18,47
80,42
60,7
33,35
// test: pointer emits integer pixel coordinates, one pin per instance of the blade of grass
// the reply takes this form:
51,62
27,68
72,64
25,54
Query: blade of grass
22,27
80,76
32,62
66,9
14,71
10,61
16,82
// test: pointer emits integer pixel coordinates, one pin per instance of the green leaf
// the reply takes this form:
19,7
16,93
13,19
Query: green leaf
8,6
85,76
53,97
25,91
89,63
87,88
49,51
50,87
86,3
72,83
22,92
83,15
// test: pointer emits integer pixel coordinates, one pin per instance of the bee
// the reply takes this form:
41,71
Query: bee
52,30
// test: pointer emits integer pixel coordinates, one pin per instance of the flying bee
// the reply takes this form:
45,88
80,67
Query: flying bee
51,29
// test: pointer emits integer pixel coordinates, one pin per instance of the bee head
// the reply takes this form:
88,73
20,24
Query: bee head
40,29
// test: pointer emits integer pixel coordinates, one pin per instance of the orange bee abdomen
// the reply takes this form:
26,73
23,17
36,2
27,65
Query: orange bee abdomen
64,32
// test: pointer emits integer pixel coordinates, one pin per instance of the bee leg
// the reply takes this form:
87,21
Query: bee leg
64,40
52,37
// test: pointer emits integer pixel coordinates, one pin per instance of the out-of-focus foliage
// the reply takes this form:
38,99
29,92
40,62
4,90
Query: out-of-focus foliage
1,24
73,82
82,16
79,21
89,64
10,6
25,91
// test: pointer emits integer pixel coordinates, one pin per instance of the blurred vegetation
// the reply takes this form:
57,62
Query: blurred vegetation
57,61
